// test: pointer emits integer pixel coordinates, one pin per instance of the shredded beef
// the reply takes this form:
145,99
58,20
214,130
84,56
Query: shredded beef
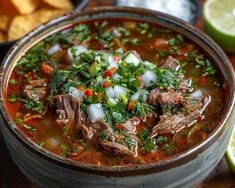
36,89
170,63
117,148
70,114
163,97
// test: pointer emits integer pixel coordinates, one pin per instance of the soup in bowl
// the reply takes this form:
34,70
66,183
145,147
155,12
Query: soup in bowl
133,97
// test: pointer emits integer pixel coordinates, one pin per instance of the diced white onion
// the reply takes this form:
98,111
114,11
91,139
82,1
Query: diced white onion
196,94
112,101
116,33
110,92
135,96
119,90
54,49
78,49
149,64
112,63
131,57
117,76
95,112
149,78
74,92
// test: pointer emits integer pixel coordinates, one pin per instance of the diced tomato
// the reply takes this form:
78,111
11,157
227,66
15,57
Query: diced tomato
120,126
130,105
88,92
202,81
140,80
47,69
80,87
181,57
160,43
116,58
107,84
109,73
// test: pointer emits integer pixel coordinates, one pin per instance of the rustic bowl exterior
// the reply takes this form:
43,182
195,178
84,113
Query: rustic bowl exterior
183,170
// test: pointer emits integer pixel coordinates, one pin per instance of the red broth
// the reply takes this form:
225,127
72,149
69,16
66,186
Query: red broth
115,92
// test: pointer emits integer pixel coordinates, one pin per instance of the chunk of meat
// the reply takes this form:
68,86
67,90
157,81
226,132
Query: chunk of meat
130,124
36,89
70,114
170,63
196,103
117,148
169,123
163,97
185,85
100,125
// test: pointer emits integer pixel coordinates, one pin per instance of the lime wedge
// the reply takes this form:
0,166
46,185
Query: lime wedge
219,22
230,153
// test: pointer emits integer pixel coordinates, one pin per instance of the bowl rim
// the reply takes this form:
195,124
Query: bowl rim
162,165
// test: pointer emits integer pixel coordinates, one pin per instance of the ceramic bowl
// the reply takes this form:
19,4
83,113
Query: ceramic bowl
186,169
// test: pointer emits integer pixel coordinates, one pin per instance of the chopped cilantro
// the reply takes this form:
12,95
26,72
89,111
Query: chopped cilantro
28,127
12,82
65,150
12,98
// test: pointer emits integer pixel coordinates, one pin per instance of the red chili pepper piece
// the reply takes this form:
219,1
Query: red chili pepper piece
109,73
130,105
88,92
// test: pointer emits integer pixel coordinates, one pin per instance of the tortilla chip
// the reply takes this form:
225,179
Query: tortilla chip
20,26
5,21
61,4
26,6
43,15
6,7
3,36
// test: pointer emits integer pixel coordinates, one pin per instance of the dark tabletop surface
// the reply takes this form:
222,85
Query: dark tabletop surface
11,177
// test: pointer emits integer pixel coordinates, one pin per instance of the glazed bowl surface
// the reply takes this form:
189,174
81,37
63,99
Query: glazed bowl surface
186,169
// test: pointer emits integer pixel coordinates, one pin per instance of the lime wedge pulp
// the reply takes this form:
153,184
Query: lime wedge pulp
219,22
230,153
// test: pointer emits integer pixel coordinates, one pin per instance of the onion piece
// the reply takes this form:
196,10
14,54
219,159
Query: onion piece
95,112
149,78
112,101
135,97
119,90
117,76
74,92
149,64
116,33
132,57
112,62
54,49
110,92
73,52
197,93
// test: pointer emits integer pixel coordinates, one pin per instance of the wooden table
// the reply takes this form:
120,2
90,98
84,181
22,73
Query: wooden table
11,177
